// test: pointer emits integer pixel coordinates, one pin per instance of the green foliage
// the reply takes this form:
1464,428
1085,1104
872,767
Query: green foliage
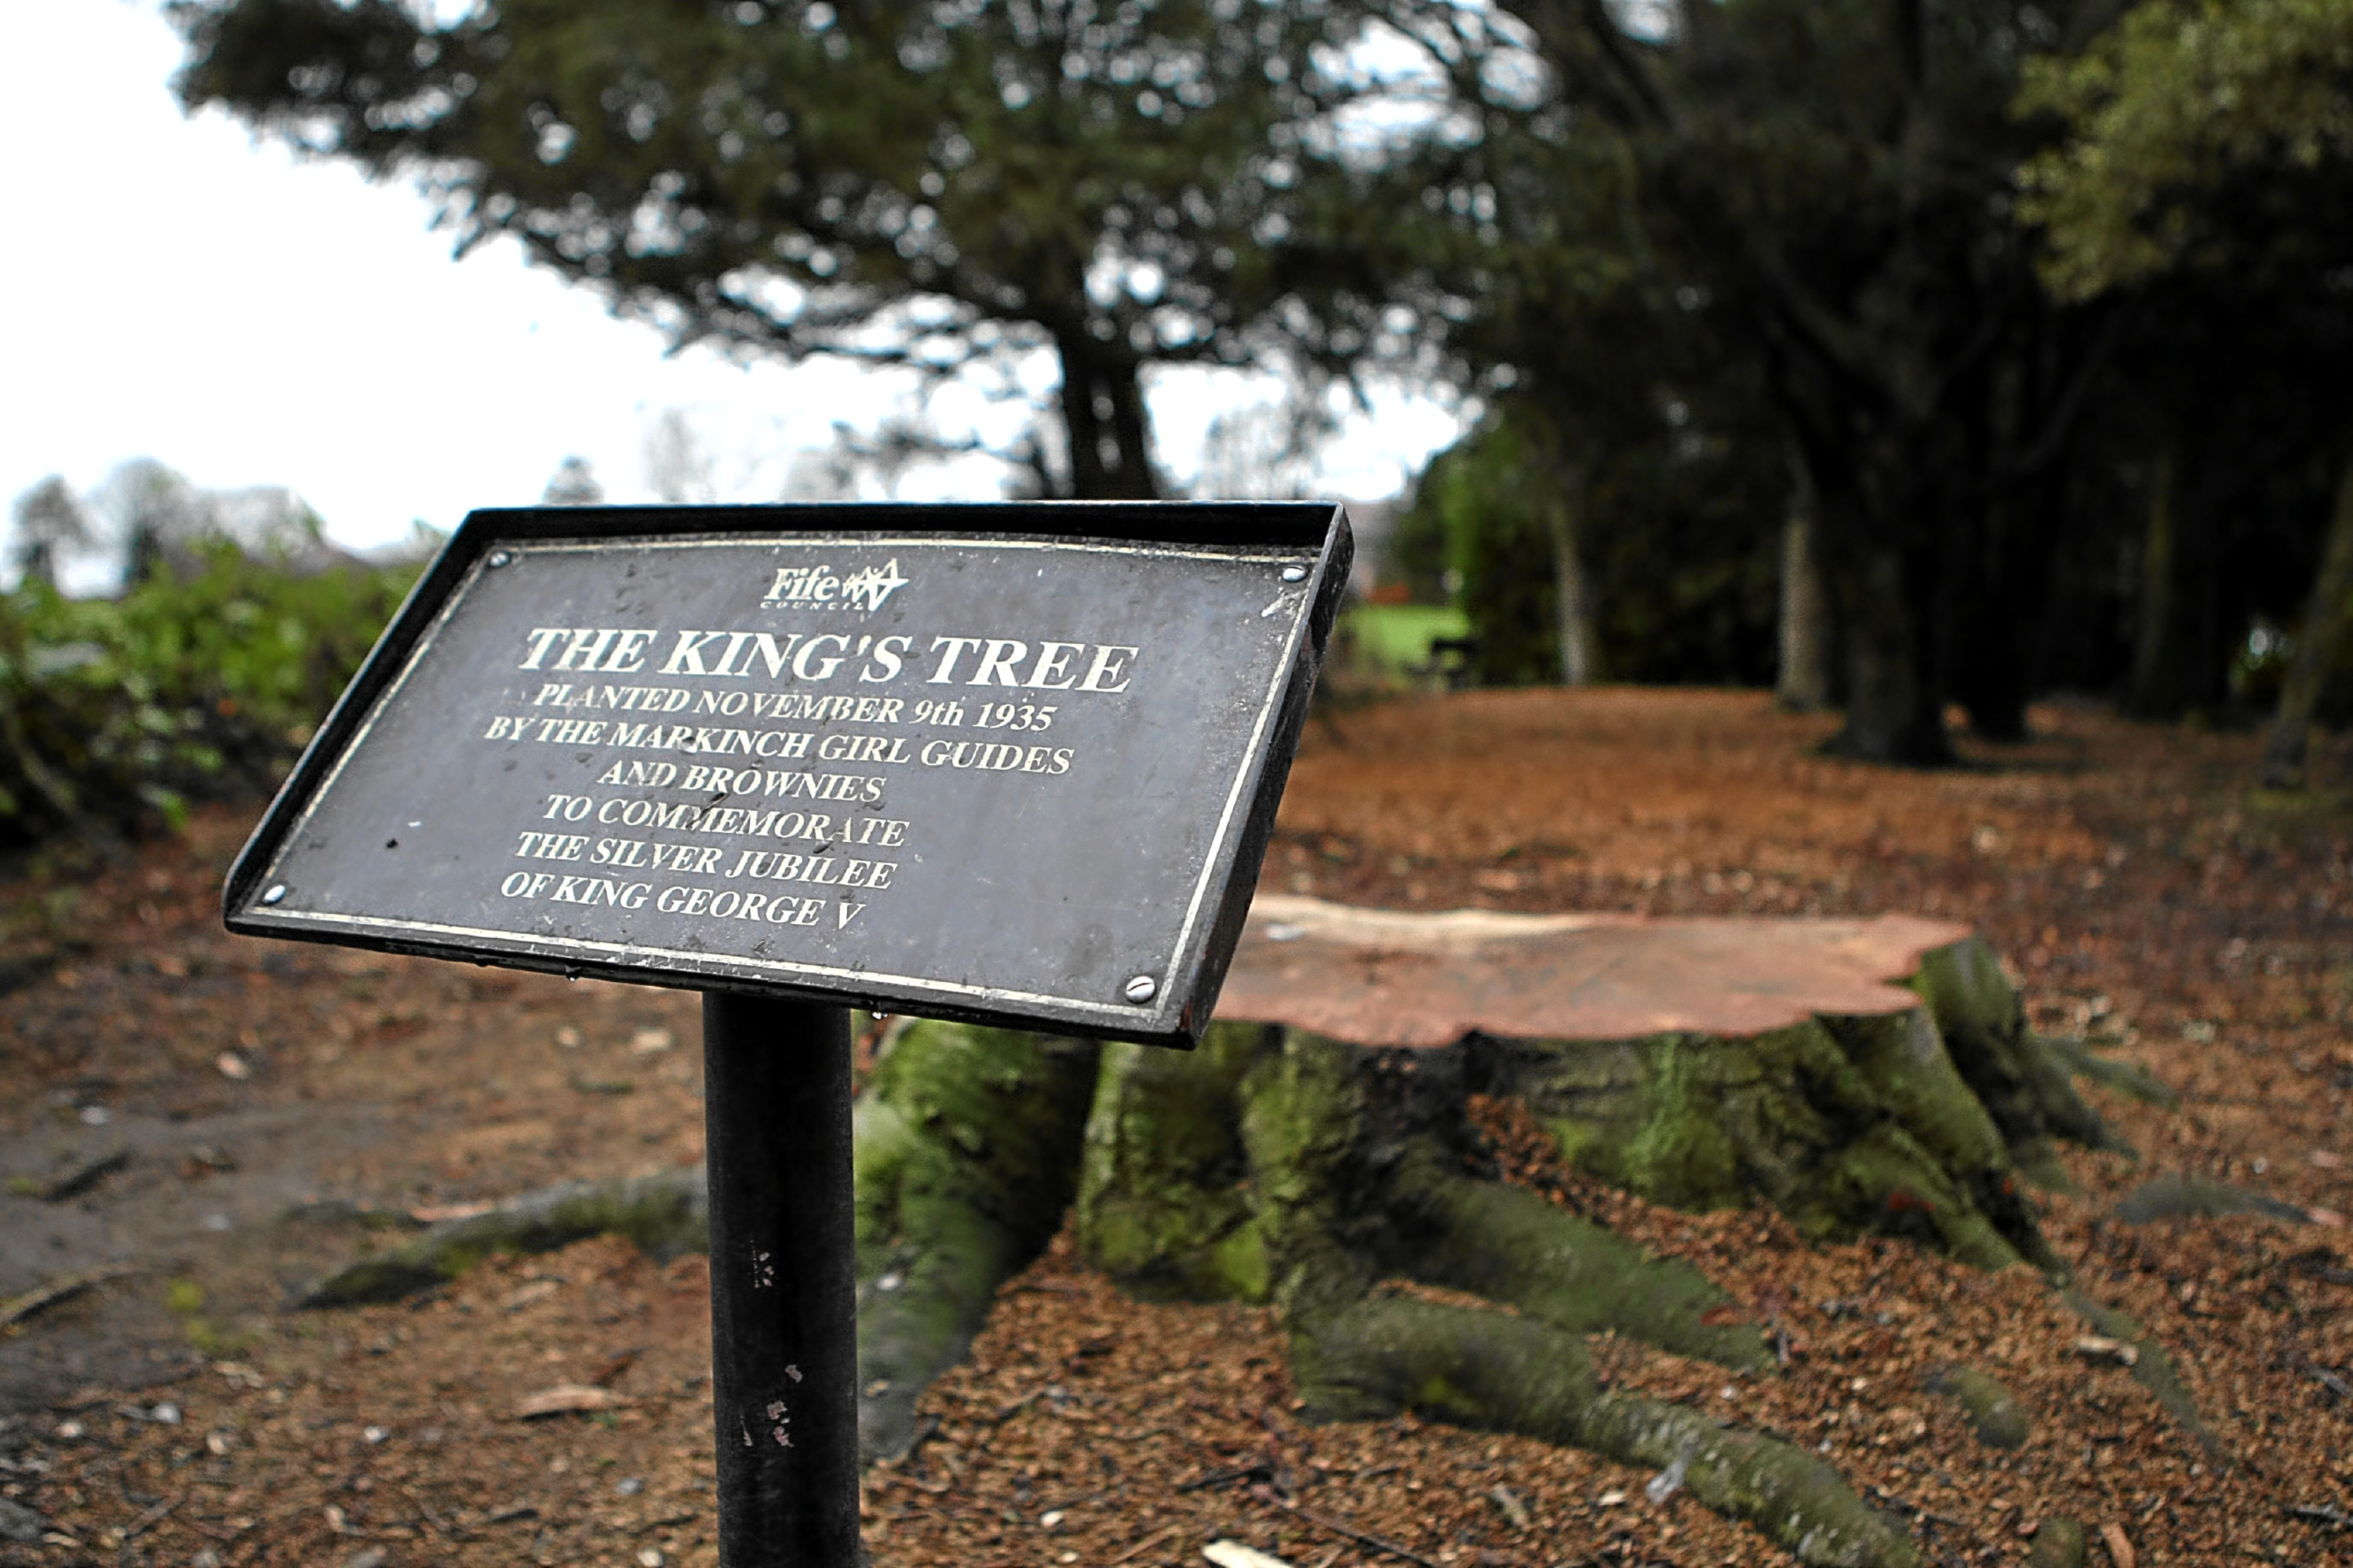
2204,172
1677,534
2167,113
116,714
1388,644
1795,220
918,184
1480,512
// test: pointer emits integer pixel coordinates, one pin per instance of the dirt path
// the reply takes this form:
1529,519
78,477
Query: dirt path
275,1102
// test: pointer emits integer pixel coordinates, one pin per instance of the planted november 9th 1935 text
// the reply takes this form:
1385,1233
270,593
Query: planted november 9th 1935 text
997,769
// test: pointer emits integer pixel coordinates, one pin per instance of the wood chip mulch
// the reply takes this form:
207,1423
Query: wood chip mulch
2151,900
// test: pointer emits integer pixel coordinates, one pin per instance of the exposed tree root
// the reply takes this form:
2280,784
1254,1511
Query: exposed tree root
2191,1198
1995,1414
665,1214
2124,1077
1274,1165
2058,1544
2152,1367
965,1140
1486,1369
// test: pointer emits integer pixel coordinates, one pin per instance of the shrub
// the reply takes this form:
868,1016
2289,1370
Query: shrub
115,714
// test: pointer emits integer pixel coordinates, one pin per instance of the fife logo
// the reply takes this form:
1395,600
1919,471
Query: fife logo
863,591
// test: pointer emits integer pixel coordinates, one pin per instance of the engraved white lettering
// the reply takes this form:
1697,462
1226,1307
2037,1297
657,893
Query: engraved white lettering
1108,666
997,663
1053,660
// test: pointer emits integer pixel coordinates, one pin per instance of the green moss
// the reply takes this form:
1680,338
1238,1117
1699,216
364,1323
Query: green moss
2175,1197
967,1147
2026,1088
1302,1116
1161,1206
1902,1059
1994,1413
1858,1127
2059,1543
1681,1156
2109,1074
1588,1147
1238,1266
2153,1368
665,1214
1797,1501
1487,1370
1510,1246
1885,1182
1473,1368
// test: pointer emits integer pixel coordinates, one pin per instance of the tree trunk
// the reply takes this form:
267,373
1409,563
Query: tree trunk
1999,579
1804,683
1580,656
2156,689
1103,414
1894,711
2316,647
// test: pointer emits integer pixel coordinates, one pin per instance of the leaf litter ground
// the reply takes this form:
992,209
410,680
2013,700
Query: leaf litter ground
227,1119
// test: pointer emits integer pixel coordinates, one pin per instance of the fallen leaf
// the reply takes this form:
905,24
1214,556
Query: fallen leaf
2119,1545
523,1296
1234,1555
614,1365
2325,1159
568,1399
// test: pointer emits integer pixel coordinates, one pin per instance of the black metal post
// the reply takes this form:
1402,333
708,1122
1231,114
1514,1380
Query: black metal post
784,1289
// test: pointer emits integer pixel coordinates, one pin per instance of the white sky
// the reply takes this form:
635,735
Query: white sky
176,290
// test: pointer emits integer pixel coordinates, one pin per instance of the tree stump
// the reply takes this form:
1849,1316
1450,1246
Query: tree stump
1857,1075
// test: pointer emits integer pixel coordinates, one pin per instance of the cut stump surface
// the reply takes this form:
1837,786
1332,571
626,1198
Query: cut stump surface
1382,977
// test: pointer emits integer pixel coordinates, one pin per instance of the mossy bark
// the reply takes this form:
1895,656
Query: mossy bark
1277,1165
2025,1085
1994,1413
1274,1165
666,1215
1162,1204
2059,1543
964,1145
1487,1370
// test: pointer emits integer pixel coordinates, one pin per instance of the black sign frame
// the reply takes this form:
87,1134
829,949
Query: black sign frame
1175,1013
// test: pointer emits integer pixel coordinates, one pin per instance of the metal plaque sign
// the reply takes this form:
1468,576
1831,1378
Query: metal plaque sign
1015,764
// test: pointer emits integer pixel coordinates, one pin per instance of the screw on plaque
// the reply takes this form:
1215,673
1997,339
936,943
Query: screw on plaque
1142,990
277,894
501,558
1295,574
